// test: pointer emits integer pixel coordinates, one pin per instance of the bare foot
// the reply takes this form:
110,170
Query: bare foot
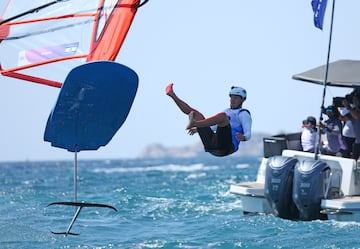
169,89
192,121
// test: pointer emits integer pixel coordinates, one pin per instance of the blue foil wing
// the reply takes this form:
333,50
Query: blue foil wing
92,105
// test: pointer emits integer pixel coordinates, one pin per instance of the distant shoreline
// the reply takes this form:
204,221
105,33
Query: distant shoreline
254,147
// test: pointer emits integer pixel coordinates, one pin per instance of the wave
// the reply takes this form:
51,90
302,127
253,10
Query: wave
162,168
242,166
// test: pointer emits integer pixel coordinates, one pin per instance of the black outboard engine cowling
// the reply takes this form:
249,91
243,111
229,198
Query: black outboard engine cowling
279,186
310,182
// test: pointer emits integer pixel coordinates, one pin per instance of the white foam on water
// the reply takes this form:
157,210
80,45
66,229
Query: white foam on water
163,168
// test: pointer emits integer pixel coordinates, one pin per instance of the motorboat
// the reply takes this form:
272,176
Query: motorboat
297,185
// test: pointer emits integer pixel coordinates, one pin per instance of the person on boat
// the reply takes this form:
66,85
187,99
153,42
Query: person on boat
308,135
354,109
332,128
221,133
348,132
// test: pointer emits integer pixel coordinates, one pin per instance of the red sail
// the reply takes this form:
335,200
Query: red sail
42,43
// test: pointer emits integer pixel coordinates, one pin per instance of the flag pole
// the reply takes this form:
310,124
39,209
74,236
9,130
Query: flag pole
317,145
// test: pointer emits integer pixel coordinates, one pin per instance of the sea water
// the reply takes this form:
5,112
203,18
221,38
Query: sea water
161,203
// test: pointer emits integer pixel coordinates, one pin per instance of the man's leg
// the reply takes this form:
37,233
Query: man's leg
219,119
183,106
356,151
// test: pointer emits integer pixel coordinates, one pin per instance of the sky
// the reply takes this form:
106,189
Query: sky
204,48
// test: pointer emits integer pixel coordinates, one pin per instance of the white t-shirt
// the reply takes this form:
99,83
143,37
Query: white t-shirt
308,139
348,129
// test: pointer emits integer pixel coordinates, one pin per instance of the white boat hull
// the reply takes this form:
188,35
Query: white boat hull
252,197
342,209
252,193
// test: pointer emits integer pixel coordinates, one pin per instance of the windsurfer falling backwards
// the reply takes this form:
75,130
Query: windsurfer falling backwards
230,126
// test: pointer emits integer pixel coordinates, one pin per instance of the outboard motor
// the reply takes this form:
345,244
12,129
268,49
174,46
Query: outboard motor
279,186
311,178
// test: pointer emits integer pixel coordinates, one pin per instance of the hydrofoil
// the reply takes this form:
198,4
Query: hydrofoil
92,105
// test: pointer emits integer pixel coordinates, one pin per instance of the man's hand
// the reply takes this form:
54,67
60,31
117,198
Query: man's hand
240,137
192,131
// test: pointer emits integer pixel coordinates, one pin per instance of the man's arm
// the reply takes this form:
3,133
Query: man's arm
246,123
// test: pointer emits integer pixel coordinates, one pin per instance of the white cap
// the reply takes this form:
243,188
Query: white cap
235,90
344,111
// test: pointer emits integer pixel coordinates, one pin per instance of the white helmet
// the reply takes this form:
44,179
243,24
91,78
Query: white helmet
235,90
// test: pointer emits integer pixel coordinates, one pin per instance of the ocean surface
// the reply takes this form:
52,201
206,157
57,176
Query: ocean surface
162,203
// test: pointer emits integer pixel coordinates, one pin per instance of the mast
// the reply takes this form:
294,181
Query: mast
317,144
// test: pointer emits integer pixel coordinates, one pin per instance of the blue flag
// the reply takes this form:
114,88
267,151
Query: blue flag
319,7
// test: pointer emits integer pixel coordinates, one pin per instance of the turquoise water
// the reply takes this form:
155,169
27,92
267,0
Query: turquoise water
167,203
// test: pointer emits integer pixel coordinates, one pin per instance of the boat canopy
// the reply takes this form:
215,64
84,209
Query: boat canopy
341,73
